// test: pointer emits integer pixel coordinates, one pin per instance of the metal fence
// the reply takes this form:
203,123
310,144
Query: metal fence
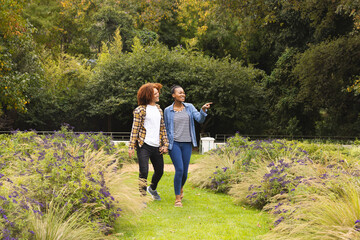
117,136
224,137
220,137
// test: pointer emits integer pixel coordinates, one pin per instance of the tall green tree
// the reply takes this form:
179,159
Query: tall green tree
61,25
325,71
104,24
267,28
58,100
234,89
287,113
12,25
20,68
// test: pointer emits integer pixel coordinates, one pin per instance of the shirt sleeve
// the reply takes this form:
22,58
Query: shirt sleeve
198,116
135,128
163,134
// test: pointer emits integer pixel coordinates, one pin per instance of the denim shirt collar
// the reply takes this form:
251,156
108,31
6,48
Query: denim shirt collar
172,106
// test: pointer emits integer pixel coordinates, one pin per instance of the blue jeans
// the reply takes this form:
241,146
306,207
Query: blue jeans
180,156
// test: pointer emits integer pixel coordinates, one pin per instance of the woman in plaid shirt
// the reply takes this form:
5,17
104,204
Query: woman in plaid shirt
148,137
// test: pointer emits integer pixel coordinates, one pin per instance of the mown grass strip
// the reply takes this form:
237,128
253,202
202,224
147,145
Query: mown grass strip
205,215
195,158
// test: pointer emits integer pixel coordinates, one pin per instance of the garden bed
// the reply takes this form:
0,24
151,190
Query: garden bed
311,189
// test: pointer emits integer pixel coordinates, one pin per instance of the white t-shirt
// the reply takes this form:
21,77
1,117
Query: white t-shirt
152,126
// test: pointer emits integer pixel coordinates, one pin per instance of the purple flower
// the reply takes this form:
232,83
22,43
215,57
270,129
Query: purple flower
273,179
39,212
278,221
277,212
1,175
84,199
278,205
271,164
104,192
323,176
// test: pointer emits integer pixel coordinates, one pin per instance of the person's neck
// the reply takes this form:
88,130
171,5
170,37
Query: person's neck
178,104
152,103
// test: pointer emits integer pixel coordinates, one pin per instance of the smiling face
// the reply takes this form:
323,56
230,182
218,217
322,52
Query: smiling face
179,95
156,95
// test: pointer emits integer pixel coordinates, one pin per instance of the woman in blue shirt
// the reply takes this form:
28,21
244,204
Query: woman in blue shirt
180,127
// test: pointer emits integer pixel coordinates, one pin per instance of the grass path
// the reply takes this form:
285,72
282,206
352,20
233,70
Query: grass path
204,215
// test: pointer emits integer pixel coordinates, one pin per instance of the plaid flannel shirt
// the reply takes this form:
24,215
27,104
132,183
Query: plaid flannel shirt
138,131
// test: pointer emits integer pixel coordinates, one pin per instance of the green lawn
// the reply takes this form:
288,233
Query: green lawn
204,215
195,156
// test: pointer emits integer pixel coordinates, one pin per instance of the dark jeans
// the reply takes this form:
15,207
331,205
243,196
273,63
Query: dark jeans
145,153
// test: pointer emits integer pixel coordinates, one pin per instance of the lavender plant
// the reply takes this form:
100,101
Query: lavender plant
290,180
34,168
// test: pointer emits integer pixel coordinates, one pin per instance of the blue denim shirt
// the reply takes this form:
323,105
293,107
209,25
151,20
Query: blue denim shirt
193,114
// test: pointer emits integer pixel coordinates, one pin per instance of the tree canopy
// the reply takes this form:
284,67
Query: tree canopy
270,67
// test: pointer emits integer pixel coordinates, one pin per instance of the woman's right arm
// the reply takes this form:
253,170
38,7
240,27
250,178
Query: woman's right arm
134,131
199,116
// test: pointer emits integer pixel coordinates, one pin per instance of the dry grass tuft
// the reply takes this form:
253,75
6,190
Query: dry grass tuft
121,184
206,167
328,214
55,224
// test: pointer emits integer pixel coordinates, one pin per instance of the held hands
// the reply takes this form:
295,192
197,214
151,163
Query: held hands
131,153
163,150
206,106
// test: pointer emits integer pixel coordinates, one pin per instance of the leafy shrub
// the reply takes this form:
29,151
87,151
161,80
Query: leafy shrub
291,180
118,76
73,170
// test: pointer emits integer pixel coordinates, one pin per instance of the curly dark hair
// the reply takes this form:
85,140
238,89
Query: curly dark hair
146,93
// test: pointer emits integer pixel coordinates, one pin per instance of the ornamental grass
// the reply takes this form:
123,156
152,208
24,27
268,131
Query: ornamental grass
64,179
312,190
